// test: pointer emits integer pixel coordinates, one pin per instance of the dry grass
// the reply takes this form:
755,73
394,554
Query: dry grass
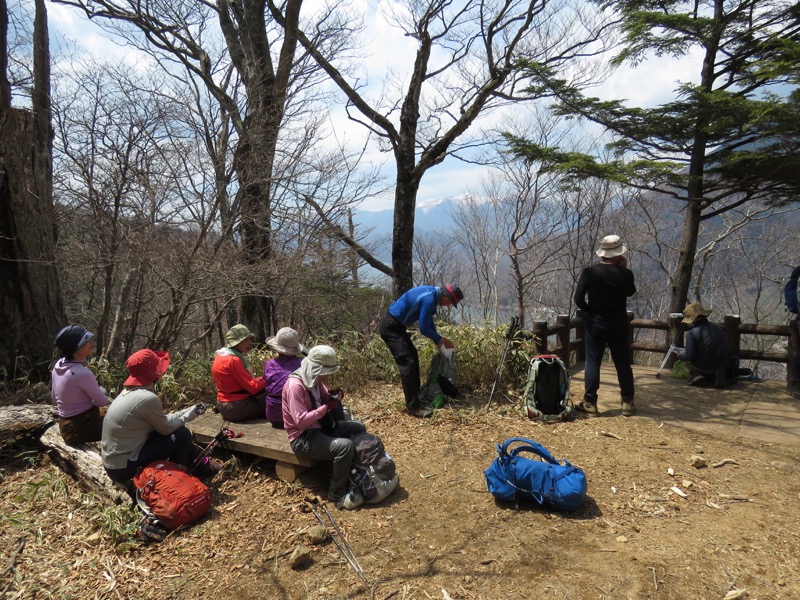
441,534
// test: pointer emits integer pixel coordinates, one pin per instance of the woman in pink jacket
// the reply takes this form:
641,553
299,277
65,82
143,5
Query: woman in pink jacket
312,430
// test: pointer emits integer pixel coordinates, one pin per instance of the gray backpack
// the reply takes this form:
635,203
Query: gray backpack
373,475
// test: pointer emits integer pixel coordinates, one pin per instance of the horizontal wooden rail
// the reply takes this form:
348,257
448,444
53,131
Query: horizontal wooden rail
566,345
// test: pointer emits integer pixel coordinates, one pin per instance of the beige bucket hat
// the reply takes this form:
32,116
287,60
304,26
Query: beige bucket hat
611,246
694,310
287,341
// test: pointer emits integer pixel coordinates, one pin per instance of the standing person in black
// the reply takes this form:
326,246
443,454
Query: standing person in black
608,284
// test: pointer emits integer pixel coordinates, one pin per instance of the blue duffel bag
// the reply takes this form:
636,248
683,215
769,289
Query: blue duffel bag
512,477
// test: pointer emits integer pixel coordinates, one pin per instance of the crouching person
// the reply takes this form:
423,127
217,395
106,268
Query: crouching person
136,431
308,408
707,355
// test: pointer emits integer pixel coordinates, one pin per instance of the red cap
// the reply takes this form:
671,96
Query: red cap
146,367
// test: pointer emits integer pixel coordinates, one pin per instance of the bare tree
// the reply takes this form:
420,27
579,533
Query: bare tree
31,306
464,66
266,70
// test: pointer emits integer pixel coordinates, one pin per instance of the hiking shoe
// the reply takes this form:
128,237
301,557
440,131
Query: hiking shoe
335,495
208,466
628,409
420,411
590,408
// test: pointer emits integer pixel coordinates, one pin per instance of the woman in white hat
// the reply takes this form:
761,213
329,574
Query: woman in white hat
277,370
307,407
602,293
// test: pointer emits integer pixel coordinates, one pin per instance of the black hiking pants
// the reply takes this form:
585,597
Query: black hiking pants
395,334
612,331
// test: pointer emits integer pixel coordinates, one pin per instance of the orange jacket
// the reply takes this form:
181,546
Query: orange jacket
233,380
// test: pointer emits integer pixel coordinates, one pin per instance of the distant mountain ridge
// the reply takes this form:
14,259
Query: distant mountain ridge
432,216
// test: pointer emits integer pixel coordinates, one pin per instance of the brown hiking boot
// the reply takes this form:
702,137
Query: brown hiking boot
590,408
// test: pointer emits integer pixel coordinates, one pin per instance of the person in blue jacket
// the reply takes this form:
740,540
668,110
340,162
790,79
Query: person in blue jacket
416,305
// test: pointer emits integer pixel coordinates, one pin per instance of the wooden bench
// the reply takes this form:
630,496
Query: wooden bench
260,439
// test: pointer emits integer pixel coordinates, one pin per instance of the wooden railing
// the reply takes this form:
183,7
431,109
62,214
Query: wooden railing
566,344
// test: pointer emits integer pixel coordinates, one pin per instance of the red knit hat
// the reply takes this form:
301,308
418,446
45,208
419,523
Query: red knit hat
146,367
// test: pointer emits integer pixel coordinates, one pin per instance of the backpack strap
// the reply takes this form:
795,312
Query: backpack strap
526,445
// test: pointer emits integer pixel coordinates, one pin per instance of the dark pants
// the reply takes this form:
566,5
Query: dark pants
252,407
601,331
177,447
82,428
405,355
335,446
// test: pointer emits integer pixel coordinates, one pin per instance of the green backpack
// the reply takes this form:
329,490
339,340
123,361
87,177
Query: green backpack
441,383
547,391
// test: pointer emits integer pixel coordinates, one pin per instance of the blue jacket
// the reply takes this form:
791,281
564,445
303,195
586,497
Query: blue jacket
419,304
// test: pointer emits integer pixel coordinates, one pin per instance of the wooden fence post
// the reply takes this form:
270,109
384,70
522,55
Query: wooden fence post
793,359
563,338
733,338
580,332
630,335
539,329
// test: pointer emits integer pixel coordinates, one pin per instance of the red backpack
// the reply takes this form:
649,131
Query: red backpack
175,497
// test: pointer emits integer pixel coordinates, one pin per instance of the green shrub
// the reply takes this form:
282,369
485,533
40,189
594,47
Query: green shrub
365,359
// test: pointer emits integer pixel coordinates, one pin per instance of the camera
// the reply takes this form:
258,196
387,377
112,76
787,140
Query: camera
200,408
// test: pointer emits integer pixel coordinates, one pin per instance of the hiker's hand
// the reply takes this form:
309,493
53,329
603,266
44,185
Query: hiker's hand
190,414
447,343
337,393
200,408
623,262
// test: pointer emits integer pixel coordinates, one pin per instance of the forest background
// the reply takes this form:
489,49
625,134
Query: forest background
212,171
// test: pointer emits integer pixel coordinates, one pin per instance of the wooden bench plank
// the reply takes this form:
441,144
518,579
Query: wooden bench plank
260,438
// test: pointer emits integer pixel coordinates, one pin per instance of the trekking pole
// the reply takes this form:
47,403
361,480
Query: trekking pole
674,343
512,328
335,534
223,434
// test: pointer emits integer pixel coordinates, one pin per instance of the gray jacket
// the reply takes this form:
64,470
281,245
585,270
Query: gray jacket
130,419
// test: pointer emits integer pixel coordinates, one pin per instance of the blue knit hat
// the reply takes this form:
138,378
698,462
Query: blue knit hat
72,337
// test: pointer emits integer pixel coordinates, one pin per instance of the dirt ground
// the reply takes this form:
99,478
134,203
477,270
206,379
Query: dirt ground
441,535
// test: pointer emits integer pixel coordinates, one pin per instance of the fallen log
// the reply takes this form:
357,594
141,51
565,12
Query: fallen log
82,462
18,422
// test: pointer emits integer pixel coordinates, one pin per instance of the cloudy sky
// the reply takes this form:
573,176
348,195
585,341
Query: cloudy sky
651,83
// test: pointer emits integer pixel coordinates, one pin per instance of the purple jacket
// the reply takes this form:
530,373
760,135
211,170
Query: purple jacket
276,372
75,389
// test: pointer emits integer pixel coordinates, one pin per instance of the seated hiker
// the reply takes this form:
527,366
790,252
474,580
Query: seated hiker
706,354
312,430
136,431
276,370
240,395
75,391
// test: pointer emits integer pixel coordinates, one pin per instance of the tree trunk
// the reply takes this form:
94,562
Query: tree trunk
18,422
31,307
405,203
688,250
83,463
